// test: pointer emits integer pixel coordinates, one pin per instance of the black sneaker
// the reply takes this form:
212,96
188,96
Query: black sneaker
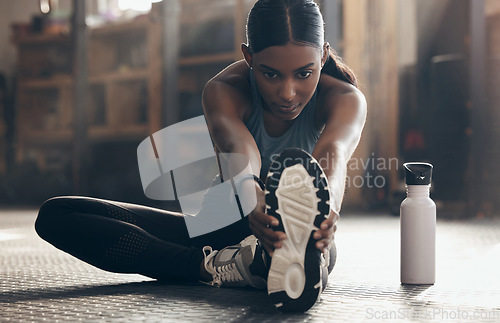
297,195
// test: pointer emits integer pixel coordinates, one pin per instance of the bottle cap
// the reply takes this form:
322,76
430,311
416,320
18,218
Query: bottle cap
418,173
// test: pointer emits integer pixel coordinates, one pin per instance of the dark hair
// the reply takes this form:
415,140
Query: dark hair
278,22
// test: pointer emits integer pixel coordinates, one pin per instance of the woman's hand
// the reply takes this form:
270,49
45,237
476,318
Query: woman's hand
261,223
325,234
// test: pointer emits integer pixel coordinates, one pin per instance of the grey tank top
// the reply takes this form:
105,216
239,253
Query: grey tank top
302,134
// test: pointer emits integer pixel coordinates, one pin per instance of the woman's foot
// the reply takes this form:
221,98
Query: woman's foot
236,266
298,197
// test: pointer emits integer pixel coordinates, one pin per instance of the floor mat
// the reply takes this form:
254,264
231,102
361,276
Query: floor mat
41,283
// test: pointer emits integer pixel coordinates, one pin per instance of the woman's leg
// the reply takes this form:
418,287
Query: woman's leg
121,237
171,226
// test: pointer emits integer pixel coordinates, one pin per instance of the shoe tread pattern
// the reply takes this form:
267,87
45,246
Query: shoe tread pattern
302,216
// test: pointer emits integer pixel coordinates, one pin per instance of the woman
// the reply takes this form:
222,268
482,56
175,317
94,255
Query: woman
289,91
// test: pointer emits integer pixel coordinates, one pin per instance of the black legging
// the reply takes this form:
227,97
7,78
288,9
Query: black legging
129,238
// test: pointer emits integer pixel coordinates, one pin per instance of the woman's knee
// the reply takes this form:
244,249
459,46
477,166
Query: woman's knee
49,213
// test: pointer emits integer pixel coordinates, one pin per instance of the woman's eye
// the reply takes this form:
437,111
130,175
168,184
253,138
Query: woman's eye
270,75
304,74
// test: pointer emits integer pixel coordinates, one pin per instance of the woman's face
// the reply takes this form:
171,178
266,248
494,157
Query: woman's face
287,77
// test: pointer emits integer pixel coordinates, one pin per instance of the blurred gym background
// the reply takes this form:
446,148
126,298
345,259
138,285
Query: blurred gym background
82,83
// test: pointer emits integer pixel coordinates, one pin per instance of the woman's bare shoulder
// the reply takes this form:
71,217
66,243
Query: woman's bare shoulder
230,87
334,93
332,90
234,74
235,77
331,86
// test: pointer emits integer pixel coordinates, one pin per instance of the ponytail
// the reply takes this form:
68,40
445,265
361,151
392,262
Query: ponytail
336,67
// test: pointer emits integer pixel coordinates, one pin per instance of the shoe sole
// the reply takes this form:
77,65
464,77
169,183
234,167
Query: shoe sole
297,195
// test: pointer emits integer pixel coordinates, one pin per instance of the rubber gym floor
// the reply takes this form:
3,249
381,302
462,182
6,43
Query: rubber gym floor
40,283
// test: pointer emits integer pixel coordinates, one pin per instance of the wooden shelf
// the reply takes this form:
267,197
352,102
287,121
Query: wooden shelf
124,102
121,76
40,39
48,136
207,59
106,133
121,27
124,76
96,133
54,81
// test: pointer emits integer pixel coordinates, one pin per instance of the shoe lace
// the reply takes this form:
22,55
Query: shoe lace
227,273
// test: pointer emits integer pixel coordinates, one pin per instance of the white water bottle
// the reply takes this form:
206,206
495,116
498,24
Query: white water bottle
418,227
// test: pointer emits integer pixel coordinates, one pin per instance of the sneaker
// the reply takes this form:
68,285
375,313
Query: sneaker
237,266
297,195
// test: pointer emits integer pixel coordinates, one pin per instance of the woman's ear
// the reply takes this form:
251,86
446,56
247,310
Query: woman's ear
326,53
247,54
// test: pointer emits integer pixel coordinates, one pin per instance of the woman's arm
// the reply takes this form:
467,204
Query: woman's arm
224,106
345,114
